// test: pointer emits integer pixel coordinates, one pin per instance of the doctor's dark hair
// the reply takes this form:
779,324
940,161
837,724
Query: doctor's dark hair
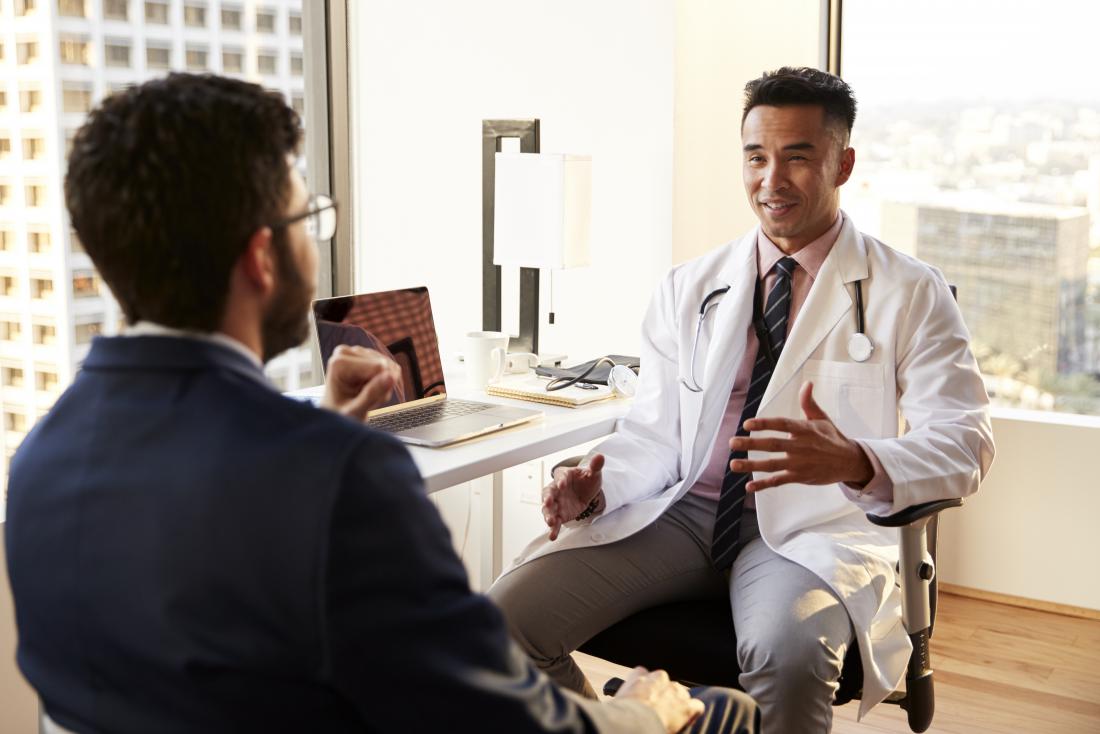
804,86
166,183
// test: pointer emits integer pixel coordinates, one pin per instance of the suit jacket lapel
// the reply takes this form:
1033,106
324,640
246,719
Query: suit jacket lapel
827,303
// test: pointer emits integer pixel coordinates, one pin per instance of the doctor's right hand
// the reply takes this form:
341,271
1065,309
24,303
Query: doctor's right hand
571,492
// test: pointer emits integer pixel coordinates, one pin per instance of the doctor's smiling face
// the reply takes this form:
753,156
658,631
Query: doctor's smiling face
795,132
795,161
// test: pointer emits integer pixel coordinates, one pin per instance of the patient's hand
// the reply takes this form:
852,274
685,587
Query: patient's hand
671,702
570,493
358,380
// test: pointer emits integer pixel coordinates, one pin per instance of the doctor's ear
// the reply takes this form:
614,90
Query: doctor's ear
847,164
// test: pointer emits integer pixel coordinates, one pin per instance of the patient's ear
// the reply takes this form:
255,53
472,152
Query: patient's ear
256,265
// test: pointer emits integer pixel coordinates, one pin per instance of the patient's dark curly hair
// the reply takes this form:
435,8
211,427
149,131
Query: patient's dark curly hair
166,183
804,86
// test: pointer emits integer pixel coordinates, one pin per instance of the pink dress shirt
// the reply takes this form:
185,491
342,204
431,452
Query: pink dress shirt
809,259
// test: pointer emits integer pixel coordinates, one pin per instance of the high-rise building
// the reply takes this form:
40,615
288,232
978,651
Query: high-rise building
58,58
1021,272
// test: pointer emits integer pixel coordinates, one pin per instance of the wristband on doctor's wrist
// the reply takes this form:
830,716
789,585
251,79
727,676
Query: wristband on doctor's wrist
590,510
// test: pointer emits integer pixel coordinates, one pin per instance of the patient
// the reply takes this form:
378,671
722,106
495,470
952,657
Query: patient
190,551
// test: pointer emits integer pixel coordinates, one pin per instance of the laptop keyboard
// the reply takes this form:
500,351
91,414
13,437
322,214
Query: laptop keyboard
423,415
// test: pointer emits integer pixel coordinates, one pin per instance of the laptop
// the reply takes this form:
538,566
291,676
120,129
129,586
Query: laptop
399,325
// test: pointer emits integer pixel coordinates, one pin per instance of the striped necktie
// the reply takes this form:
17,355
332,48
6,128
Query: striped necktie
731,500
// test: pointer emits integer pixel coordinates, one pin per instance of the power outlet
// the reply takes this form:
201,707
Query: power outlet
531,488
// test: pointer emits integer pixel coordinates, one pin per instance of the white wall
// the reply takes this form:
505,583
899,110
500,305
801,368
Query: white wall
720,45
599,75
1033,529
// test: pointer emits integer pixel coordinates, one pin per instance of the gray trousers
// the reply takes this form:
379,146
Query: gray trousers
792,631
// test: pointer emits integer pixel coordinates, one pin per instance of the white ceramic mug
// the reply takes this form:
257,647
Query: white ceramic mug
486,357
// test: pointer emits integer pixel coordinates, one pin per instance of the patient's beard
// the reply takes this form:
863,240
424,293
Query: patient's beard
286,322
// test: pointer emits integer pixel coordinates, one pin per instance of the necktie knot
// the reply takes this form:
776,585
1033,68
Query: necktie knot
786,266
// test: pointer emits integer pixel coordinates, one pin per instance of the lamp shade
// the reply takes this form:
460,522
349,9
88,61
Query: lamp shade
543,210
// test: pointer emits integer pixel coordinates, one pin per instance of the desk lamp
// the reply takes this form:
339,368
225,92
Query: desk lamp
543,215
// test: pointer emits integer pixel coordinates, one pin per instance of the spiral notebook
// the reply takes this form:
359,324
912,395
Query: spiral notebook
533,388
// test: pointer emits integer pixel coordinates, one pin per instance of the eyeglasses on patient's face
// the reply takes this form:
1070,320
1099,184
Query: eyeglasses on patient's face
320,218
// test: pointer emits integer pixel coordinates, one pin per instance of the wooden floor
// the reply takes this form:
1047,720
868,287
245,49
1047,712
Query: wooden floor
998,669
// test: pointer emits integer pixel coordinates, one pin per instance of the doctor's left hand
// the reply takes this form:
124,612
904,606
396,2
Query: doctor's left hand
814,451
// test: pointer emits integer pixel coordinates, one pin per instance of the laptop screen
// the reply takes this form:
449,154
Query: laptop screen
397,324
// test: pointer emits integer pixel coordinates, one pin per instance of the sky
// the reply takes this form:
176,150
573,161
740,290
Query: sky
981,50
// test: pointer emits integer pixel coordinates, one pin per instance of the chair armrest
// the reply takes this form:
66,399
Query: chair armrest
912,514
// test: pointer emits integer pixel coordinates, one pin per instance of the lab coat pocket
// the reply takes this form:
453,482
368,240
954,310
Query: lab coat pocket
850,393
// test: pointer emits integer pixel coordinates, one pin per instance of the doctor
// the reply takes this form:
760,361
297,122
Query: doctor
766,424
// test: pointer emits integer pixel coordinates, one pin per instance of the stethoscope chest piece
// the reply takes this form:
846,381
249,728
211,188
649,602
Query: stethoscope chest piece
860,347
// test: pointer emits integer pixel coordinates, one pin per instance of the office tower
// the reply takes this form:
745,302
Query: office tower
1021,271
57,59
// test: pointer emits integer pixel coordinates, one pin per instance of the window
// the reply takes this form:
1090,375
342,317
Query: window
3,99
5,146
34,149
10,329
116,9
75,245
992,178
85,284
158,56
84,333
30,100
75,50
266,62
9,285
71,8
231,18
41,288
36,194
25,7
14,421
232,61
265,21
45,380
38,241
156,12
298,103
296,64
5,194
11,376
44,334
196,58
294,20
194,16
117,53
76,97
26,52
7,240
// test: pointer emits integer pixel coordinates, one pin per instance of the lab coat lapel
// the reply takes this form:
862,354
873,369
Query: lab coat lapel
828,301
726,348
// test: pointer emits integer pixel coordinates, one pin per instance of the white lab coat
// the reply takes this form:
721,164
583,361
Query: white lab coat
921,367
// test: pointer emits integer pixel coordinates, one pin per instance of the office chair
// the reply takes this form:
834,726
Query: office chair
694,642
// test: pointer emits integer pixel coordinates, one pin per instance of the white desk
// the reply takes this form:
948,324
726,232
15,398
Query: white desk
558,429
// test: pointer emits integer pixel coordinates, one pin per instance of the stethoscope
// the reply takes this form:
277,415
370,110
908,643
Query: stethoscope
860,346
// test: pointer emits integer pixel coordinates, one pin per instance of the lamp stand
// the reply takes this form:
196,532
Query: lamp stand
492,133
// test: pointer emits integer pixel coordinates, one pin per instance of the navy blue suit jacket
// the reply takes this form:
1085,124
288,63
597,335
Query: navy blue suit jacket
191,551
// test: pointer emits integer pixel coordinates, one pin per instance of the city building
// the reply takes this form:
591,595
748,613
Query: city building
1021,271
58,58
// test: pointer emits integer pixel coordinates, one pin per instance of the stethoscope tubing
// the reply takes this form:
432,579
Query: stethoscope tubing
709,303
